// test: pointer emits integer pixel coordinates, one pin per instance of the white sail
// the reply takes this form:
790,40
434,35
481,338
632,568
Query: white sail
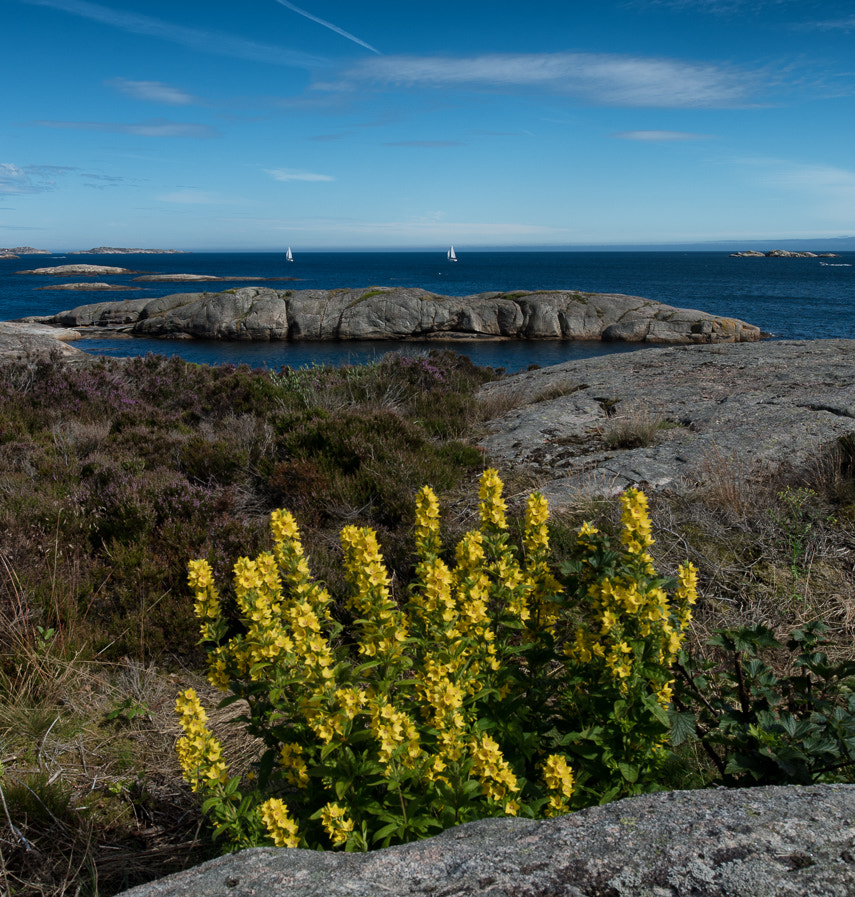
288,256
451,255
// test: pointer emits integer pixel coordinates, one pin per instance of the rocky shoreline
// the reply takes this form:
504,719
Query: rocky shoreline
708,413
264,314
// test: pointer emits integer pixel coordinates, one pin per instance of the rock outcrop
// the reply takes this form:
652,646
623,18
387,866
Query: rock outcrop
89,286
259,313
16,251
120,250
709,411
782,254
761,842
33,343
90,270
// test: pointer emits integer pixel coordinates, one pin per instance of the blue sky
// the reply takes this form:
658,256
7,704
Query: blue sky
338,125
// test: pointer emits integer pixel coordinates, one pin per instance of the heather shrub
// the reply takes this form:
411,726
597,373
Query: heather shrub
488,688
114,471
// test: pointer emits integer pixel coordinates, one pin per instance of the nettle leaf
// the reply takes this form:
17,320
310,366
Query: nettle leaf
683,726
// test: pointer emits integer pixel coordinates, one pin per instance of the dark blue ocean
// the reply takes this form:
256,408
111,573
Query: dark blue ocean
790,298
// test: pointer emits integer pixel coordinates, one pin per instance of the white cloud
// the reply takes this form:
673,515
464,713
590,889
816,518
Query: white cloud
606,79
658,136
291,174
155,91
845,24
155,127
198,39
30,179
427,144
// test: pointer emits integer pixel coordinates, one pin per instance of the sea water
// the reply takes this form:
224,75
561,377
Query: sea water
788,298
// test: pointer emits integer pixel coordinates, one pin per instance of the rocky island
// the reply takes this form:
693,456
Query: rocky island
85,270
116,250
21,250
262,313
782,254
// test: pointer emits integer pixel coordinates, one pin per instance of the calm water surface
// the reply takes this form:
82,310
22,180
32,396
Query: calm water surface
788,298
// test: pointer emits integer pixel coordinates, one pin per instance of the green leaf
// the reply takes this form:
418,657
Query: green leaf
629,771
683,726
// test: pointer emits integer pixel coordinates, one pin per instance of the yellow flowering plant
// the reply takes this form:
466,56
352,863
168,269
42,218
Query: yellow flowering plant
618,664
398,713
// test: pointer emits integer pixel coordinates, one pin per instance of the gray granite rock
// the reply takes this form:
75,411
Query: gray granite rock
33,343
261,313
762,842
751,406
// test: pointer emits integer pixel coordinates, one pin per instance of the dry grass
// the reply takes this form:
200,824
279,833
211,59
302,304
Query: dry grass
635,427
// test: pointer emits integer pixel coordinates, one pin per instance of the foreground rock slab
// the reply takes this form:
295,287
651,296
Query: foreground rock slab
763,842
730,410
260,313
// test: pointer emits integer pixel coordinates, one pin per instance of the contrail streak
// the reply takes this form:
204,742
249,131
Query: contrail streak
207,41
329,25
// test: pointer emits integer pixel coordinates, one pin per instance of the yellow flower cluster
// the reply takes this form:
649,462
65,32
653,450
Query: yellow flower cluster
493,506
296,576
427,523
636,525
631,608
558,778
396,734
200,577
292,762
282,829
498,782
199,753
258,593
383,627
336,823
542,584
472,590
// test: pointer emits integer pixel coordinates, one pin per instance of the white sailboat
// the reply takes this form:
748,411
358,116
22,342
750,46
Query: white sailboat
288,255
451,255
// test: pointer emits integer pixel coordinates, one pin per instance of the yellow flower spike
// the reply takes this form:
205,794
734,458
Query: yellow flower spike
493,507
292,762
686,593
199,752
636,534
536,533
427,523
492,770
558,776
336,823
281,828
283,526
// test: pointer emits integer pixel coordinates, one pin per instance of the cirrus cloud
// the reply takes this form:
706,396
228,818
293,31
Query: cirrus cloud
659,136
154,91
600,78
291,174
154,127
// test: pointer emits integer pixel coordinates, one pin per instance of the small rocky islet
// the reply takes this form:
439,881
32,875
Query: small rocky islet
377,313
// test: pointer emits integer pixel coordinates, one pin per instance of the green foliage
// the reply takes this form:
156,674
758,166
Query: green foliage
793,517
766,728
